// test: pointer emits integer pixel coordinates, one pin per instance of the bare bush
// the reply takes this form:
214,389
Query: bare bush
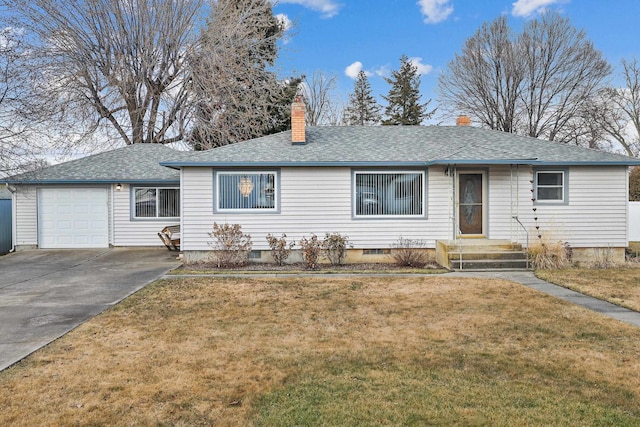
280,249
334,247
311,249
230,245
550,255
410,253
602,258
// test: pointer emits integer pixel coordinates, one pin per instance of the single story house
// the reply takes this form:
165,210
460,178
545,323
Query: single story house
372,184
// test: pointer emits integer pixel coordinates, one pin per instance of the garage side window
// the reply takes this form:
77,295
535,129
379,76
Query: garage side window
156,202
398,194
249,191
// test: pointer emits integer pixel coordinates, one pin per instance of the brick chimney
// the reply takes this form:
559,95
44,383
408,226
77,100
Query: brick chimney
463,120
298,121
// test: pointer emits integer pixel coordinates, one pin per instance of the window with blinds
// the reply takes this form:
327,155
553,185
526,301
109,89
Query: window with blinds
156,202
387,194
247,191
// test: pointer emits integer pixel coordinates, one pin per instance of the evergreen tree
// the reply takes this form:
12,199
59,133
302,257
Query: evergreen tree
404,107
363,109
237,94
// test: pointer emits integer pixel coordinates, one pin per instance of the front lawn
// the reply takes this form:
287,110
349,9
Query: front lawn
333,351
619,286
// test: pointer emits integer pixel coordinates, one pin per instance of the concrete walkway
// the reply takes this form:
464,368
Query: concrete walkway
528,279
46,293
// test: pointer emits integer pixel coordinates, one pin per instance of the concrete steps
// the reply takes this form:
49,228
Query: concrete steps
481,254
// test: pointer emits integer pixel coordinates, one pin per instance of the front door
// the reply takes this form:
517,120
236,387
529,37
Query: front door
470,203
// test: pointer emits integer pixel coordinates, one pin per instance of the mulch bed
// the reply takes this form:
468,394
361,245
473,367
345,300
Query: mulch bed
261,266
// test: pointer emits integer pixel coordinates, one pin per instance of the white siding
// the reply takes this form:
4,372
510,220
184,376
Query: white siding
318,200
26,216
313,200
129,232
595,215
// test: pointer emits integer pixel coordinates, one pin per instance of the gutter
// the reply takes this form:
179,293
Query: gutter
14,203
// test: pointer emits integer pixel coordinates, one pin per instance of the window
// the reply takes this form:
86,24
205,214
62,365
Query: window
389,194
247,191
550,186
153,202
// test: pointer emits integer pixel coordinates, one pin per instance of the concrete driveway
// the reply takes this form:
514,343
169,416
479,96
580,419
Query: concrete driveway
46,293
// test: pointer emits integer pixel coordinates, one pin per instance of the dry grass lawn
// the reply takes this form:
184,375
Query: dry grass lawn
333,351
619,286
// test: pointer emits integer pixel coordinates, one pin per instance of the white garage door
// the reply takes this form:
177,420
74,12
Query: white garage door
73,218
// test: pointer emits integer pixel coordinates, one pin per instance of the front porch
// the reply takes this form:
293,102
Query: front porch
481,254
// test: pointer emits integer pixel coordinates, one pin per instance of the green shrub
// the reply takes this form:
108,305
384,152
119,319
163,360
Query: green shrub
280,249
230,245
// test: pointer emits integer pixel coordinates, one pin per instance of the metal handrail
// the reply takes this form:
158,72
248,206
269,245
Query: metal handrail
526,232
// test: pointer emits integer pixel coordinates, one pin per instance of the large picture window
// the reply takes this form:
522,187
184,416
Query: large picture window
156,202
389,194
550,186
247,191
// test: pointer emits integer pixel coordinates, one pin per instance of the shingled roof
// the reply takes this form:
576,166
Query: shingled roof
138,163
398,145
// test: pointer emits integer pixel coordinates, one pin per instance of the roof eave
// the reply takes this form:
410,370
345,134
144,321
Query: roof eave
88,182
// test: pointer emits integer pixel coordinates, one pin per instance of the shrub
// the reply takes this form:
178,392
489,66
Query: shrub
334,247
310,251
231,246
280,249
409,253
549,255
603,258
634,184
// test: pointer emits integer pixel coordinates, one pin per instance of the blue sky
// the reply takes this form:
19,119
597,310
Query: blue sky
344,36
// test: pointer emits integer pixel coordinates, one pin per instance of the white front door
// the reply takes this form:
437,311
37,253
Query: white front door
73,218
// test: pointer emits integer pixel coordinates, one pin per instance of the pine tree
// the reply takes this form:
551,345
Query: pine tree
404,107
363,109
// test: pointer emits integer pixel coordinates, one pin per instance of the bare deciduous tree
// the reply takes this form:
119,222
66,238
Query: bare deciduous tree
537,83
115,65
563,71
485,80
618,109
20,139
322,108
237,96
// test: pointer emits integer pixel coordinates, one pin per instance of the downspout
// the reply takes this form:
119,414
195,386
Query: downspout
14,209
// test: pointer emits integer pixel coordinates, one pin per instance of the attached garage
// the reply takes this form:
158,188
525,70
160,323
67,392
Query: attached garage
73,218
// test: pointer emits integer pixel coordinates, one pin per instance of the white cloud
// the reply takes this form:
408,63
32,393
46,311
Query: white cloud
435,10
285,21
328,8
383,71
353,69
422,68
286,26
525,8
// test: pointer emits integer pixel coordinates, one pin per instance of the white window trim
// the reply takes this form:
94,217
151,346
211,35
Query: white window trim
152,218
563,199
276,191
354,174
